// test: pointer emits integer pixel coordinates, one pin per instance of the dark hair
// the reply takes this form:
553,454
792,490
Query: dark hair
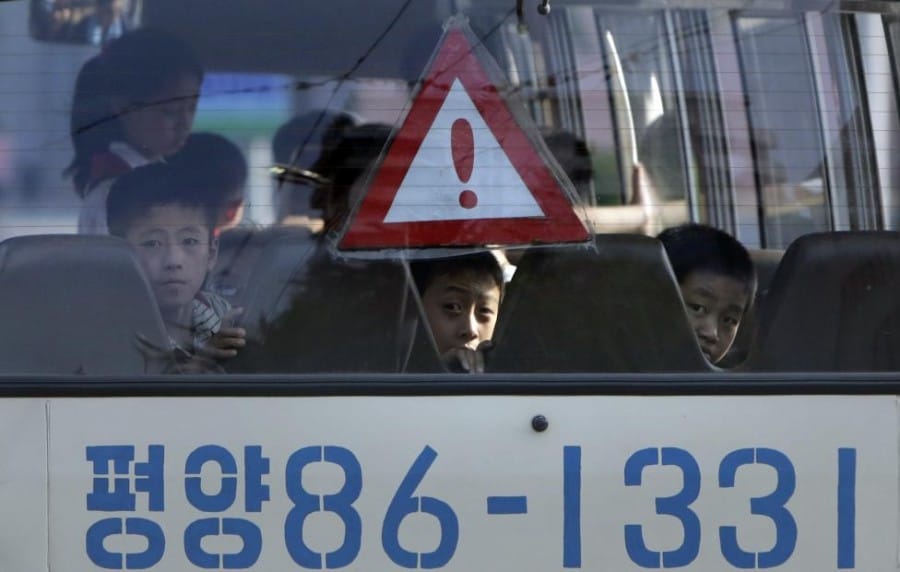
345,162
135,67
425,272
700,248
318,130
215,161
573,155
135,193
348,157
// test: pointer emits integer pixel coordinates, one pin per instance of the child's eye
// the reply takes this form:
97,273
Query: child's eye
150,243
697,308
453,307
190,241
731,321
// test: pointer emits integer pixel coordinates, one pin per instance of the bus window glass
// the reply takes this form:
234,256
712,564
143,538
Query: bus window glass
628,107
640,61
248,109
852,172
765,119
786,133
882,90
708,174
893,28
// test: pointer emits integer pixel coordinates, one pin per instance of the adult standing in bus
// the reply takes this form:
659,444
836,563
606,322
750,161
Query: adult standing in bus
134,104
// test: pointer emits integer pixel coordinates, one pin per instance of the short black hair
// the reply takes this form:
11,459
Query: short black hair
308,135
160,184
424,272
701,248
352,155
215,158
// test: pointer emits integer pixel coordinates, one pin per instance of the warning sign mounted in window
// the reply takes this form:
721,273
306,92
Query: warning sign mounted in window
462,170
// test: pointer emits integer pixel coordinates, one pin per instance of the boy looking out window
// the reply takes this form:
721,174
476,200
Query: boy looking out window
461,298
170,223
717,281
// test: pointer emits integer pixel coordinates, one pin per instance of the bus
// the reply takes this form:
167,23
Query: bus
286,398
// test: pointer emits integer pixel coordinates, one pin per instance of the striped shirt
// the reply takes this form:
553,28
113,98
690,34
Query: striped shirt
207,311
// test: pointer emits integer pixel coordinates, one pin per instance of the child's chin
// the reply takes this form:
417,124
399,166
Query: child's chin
172,302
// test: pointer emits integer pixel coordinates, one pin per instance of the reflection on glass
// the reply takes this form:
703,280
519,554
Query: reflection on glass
94,22
786,133
615,89
851,155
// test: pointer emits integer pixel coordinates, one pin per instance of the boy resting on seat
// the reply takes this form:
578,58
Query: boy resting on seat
170,220
461,298
717,281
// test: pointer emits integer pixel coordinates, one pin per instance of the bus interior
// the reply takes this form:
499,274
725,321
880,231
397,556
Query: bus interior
775,121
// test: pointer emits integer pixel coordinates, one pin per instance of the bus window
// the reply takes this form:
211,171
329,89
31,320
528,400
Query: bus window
648,79
852,170
617,87
248,109
769,120
893,28
884,109
786,133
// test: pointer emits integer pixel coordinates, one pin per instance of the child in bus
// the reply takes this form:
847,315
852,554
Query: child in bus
133,105
169,221
219,166
461,299
717,280
460,295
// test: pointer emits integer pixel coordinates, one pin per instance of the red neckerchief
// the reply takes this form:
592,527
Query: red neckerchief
106,165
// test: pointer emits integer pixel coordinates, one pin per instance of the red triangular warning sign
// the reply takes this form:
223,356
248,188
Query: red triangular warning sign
461,171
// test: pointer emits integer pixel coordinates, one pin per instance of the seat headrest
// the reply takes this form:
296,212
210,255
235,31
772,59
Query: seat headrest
254,267
613,306
341,316
833,305
75,304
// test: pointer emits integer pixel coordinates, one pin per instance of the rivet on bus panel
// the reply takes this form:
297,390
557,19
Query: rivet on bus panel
539,423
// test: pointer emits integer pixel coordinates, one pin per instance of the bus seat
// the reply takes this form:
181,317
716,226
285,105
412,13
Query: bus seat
254,267
766,263
341,316
833,306
611,308
75,304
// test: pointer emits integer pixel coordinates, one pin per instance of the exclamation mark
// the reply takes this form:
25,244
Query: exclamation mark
463,145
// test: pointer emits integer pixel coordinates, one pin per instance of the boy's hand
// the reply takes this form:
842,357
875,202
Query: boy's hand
467,360
224,344
227,341
198,364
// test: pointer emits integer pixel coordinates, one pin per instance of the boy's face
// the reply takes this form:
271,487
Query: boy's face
175,250
461,310
715,306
